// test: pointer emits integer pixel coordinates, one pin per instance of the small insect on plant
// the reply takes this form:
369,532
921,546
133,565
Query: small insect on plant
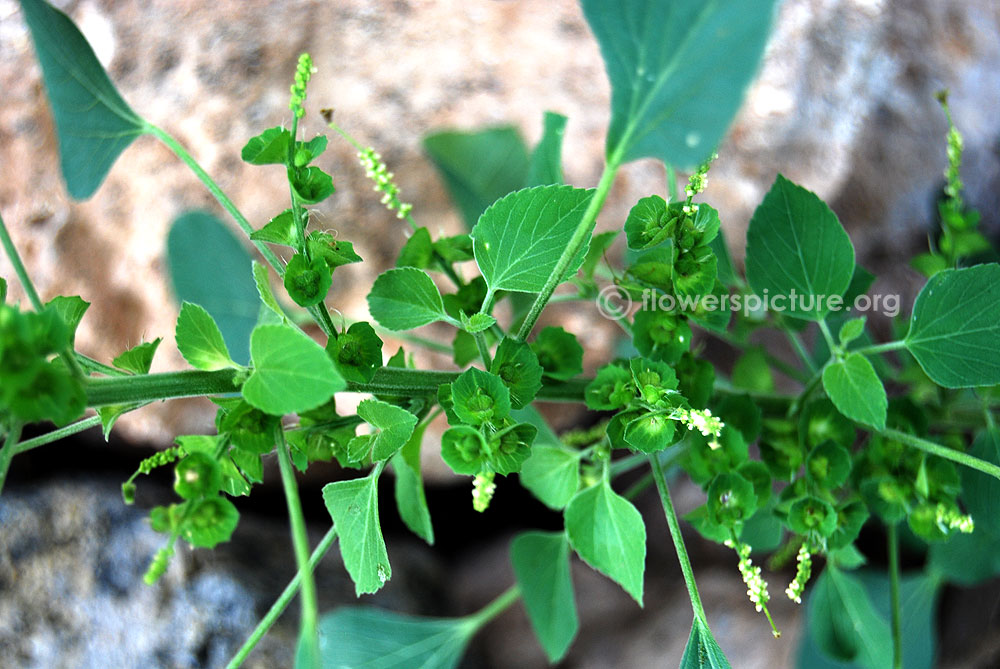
795,475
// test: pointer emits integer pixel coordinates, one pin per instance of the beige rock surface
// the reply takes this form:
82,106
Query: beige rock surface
843,105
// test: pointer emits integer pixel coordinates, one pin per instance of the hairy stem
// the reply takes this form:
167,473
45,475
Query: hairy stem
56,435
282,602
940,451
675,534
308,632
22,273
576,242
150,387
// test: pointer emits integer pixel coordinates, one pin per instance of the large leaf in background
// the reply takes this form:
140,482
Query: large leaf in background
94,124
541,565
519,239
844,624
678,70
479,168
795,243
371,638
546,159
211,268
955,328
918,602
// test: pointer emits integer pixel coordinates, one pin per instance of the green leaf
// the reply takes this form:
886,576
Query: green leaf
795,243
70,311
552,474
138,359
357,353
271,147
546,159
599,244
956,326
262,279
199,339
394,426
209,266
559,353
844,624
353,505
918,597
519,239
279,230
678,71
981,492
477,322
405,298
411,502
94,124
480,397
3,290
725,271
307,281
480,167
210,522
851,330
517,366
702,651
541,566
856,391
312,184
753,372
373,638
110,414
608,533
418,251
291,371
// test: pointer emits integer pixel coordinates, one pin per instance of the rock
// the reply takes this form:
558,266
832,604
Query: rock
71,576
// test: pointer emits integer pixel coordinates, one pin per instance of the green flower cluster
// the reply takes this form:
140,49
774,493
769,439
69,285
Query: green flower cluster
303,72
36,386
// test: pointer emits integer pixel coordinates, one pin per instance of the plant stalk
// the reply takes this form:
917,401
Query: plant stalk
576,242
22,273
308,631
940,451
282,602
56,435
503,602
151,387
675,534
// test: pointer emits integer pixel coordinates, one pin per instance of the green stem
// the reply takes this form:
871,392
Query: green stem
496,607
830,342
56,435
576,242
675,534
804,395
22,273
29,290
940,451
672,192
800,349
7,452
282,602
308,631
409,382
151,387
484,349
89,365
897,635
216,192
881,348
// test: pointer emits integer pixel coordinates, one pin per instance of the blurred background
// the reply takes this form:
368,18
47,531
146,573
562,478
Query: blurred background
844,105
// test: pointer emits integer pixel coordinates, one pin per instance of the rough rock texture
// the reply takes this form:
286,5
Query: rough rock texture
72,596
844,104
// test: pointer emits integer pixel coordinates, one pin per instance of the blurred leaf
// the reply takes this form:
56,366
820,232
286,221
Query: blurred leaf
210,267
